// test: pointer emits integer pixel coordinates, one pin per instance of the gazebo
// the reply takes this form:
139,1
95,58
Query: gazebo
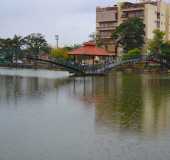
90,54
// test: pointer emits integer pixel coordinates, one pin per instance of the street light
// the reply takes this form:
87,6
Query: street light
57,39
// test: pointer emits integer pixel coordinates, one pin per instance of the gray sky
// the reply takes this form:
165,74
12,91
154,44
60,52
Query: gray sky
73,20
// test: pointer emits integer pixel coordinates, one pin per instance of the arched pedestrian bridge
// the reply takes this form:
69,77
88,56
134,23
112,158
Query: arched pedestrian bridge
79,69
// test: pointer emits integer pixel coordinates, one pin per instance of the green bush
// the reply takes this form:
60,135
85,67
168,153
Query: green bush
133,53
165,49
59,53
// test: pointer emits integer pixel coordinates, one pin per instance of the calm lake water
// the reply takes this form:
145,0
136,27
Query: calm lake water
47,115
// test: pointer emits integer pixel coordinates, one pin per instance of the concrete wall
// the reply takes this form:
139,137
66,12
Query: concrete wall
105,14
150,20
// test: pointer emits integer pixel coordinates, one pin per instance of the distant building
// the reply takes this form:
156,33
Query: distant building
155,15
44,56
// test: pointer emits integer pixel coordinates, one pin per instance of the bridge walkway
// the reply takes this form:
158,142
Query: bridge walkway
75,68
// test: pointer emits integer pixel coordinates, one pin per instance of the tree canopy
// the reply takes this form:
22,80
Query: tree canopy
134,53
59,53
71,47
157,41
165,49
11,47
36,43
130,34
17,46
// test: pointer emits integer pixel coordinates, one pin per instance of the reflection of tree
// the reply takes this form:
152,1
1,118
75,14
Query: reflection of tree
131,101
94,89
156,109
127,101
14,87
122,107
101,91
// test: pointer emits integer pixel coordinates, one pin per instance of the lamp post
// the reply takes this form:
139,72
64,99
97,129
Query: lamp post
57,39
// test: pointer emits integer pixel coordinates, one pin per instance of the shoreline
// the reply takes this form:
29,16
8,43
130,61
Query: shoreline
123,68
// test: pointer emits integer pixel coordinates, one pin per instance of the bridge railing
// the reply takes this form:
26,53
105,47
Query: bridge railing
69,63
161,59
90,68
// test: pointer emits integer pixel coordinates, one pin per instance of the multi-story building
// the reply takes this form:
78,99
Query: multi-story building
155,15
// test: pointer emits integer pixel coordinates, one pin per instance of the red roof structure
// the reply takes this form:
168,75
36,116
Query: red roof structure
90,49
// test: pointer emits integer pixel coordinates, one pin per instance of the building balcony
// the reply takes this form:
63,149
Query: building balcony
106,28
124,17
105,37
131,9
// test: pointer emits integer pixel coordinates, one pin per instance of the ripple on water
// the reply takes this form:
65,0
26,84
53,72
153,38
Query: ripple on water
119,116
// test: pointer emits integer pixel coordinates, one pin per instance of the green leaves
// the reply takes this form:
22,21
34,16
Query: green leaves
134,53
11,47
165,49
16,47
156,42
59,53
36,43
130,34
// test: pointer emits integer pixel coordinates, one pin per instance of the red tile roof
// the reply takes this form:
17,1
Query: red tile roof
90,49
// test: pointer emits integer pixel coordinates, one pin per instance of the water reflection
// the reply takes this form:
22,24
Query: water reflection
156,97
17,88
119,116
128,102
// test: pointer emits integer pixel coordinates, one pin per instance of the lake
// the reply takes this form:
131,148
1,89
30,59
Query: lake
47,115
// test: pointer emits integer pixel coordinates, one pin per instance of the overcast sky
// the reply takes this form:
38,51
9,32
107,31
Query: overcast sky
73,20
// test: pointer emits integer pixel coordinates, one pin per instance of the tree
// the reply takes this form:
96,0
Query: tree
71,47
36,44
11,47
18,42
134,53
130,34
165,49
6,46
61,53
157,41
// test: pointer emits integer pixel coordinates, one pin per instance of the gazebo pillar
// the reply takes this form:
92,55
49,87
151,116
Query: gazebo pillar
88,52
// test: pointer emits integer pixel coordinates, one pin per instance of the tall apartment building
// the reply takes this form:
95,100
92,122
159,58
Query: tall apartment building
155,15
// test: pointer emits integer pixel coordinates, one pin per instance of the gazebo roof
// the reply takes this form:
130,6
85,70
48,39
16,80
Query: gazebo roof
90,49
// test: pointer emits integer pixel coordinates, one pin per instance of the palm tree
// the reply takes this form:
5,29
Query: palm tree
6,48
17,43
12,47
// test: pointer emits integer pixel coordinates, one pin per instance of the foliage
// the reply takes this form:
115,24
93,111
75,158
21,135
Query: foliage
71,47
6,46
12,47
59,53
165,49
36,44
134,53
157,41
18,43
130,34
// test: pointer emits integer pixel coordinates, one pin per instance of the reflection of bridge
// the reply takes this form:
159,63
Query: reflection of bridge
97,69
